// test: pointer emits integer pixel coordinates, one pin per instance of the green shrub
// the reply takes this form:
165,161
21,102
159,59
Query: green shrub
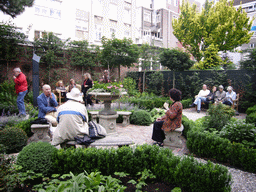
187,124
251,110
219,116
25,125
210,145
14,139
240,132
37,157
156,113
251,118
161,161
141,117
130,85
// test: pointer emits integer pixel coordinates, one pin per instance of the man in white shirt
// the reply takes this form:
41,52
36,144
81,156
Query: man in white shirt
230,96
201,97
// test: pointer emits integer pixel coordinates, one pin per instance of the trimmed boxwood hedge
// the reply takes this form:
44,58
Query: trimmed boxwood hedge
186,172
210,145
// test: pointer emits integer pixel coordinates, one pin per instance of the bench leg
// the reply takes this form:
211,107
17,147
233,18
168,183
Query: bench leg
173,139
94,118
126,120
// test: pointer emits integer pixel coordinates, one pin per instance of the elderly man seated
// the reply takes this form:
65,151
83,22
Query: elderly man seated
220,95
47,105
201,97
72,119
230,96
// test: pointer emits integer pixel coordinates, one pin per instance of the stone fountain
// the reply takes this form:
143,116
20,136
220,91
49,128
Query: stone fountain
107,117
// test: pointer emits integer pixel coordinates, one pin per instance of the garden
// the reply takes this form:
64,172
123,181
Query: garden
218,137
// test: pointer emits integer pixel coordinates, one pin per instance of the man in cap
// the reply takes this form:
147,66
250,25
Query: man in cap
220,95
21,87
72,119
230,96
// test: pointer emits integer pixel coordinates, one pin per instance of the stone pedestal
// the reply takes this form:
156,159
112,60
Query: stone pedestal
108,122
173,138
41,133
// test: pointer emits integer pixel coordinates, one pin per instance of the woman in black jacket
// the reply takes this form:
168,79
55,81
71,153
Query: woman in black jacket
87,85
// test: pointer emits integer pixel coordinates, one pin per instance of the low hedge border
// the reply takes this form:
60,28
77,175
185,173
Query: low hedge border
209,145
186,172
155,102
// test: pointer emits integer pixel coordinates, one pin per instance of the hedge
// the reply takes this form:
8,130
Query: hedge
186,172
210,145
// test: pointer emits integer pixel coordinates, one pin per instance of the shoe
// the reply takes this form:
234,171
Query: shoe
192,105
160,144
198,111
155,143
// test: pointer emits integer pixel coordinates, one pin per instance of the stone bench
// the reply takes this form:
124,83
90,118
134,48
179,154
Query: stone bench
110,140
125,114
173,138
41,133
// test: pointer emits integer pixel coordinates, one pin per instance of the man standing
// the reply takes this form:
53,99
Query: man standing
201,97
21,87
72,119
47,105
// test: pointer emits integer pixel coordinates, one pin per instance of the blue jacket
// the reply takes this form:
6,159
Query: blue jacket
42,105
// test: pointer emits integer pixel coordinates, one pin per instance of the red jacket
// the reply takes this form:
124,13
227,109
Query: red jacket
21,83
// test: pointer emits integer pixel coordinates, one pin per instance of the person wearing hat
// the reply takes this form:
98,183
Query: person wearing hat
230,96
220,95
72,119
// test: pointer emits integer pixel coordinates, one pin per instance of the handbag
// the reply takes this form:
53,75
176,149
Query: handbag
96,130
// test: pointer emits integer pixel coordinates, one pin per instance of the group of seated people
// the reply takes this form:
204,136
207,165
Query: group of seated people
206,96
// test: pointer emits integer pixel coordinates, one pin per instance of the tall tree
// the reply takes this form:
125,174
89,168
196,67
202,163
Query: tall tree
250,62
220,24
14,7
148,55
117,52
175,60
81,54
10,43
50,48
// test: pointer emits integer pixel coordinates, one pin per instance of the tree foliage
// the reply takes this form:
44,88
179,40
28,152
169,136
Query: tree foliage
175,60
10,40
118,52
14,7
50,48
149,55
220,24
81,54
250,62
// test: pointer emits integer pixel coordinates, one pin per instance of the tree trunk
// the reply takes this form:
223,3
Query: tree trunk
119,72
143,81
173,80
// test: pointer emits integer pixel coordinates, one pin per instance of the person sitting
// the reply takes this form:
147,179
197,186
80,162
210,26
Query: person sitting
171,120
211,96
47,105
230,96
72,85
201,97
60,88
72,119
220,95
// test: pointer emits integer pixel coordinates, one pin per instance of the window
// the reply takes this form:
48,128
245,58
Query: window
252,45
98,32
147,17
112,11
37,10
51,12
112,31
176,3
169,1
81,24
127,33
127,15
158,18
80,34
146,33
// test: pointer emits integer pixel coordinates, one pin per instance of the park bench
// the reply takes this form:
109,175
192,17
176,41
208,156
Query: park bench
41,133
125,114
173,138
109,140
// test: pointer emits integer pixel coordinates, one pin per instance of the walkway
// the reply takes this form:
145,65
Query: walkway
242,181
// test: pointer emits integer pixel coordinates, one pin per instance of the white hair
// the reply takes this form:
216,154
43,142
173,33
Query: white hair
17,69
46,86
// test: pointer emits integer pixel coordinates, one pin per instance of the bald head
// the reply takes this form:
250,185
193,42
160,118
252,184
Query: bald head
47,90
204,87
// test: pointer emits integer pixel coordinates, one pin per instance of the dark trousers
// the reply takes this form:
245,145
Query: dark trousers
227,103
87,100
158,134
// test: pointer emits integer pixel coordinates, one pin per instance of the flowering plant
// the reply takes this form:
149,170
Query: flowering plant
114,88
